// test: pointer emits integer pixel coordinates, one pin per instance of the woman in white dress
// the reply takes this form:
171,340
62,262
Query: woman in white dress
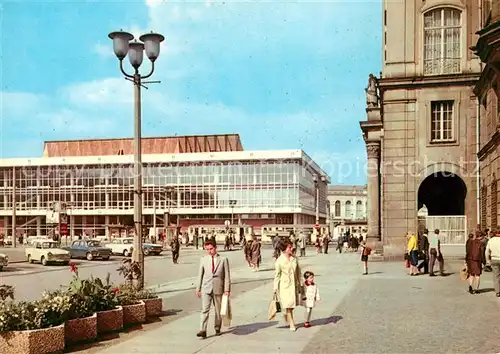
287,282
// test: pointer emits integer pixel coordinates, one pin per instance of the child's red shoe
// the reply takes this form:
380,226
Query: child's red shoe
307,325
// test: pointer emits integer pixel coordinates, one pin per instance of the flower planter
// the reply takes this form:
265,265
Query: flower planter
81,329
110,321
37,341
134,314
154,307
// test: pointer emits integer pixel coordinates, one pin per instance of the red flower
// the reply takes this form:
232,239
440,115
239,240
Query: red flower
115,291
73,268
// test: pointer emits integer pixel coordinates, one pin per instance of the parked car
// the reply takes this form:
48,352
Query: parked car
4,261
125,246
89,249
46,252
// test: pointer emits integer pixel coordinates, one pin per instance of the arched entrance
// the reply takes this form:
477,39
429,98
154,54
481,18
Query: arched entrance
443,193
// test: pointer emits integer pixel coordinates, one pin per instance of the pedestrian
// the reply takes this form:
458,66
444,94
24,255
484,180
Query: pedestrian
214,280
492,255
276,247
474,261
311,296
248,252
365,253
412,251
318,244
326,241
287,282
302,244
423,249
435,253
255,253
175,247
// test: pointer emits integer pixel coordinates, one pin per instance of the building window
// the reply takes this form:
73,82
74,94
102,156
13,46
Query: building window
348,211
442,121
359,209
494,217
484,197
442,34
337,208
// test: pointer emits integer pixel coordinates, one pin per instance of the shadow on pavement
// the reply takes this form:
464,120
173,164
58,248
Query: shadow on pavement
244,330
486,290
326,320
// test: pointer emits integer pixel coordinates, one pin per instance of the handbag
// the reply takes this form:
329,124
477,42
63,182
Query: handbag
407,265
464,273
274,308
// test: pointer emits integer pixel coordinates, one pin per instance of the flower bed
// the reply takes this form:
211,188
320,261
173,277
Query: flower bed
110,321
81,329
134,314
36,341
154,306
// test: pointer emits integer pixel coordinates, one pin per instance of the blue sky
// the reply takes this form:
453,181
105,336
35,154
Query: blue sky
285,75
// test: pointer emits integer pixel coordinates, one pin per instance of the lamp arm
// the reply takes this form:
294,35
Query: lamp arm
151,72
123,70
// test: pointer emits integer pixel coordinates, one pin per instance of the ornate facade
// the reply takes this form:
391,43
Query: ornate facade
420,130
487,89
347,209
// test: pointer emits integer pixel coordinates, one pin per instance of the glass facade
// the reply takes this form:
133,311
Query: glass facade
186,188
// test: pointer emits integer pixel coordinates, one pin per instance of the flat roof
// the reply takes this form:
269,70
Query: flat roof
200,157
150,145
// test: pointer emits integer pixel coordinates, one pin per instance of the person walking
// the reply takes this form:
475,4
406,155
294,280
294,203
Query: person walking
276,246
255,253
302,244
423,250
311,296
412,251
492,255
214,280
435,253
326,241
175,247
474,261
287,282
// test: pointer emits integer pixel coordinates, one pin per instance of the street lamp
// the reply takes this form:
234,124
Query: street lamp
316,180
232,204
122,46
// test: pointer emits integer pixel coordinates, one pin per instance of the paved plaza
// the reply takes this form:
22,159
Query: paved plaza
384,312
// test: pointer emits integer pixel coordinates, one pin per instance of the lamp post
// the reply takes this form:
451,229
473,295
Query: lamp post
122,45
232,204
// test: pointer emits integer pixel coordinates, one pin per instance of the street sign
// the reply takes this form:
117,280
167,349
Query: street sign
63,224
227,223
316,226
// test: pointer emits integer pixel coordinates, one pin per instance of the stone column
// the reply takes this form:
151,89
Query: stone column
373,190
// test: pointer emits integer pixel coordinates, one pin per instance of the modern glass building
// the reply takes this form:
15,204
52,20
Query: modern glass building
181,188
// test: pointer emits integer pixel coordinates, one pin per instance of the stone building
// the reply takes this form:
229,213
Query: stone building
347,209
420,130
487,90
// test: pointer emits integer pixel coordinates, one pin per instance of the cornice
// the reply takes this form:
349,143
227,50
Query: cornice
428,81
489,40
489,147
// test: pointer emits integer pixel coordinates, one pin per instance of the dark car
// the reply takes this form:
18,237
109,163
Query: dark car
152,249
89,249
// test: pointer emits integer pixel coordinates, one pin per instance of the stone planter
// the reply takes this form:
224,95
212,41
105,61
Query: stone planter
154,307
110,321
37,341
81,329
134,314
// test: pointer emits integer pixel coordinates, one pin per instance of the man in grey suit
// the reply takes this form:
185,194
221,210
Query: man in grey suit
214,280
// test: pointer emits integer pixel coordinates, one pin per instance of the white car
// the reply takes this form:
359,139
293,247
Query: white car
123,246
47,252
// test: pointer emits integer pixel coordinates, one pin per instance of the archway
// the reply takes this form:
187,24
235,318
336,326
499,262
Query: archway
443,193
